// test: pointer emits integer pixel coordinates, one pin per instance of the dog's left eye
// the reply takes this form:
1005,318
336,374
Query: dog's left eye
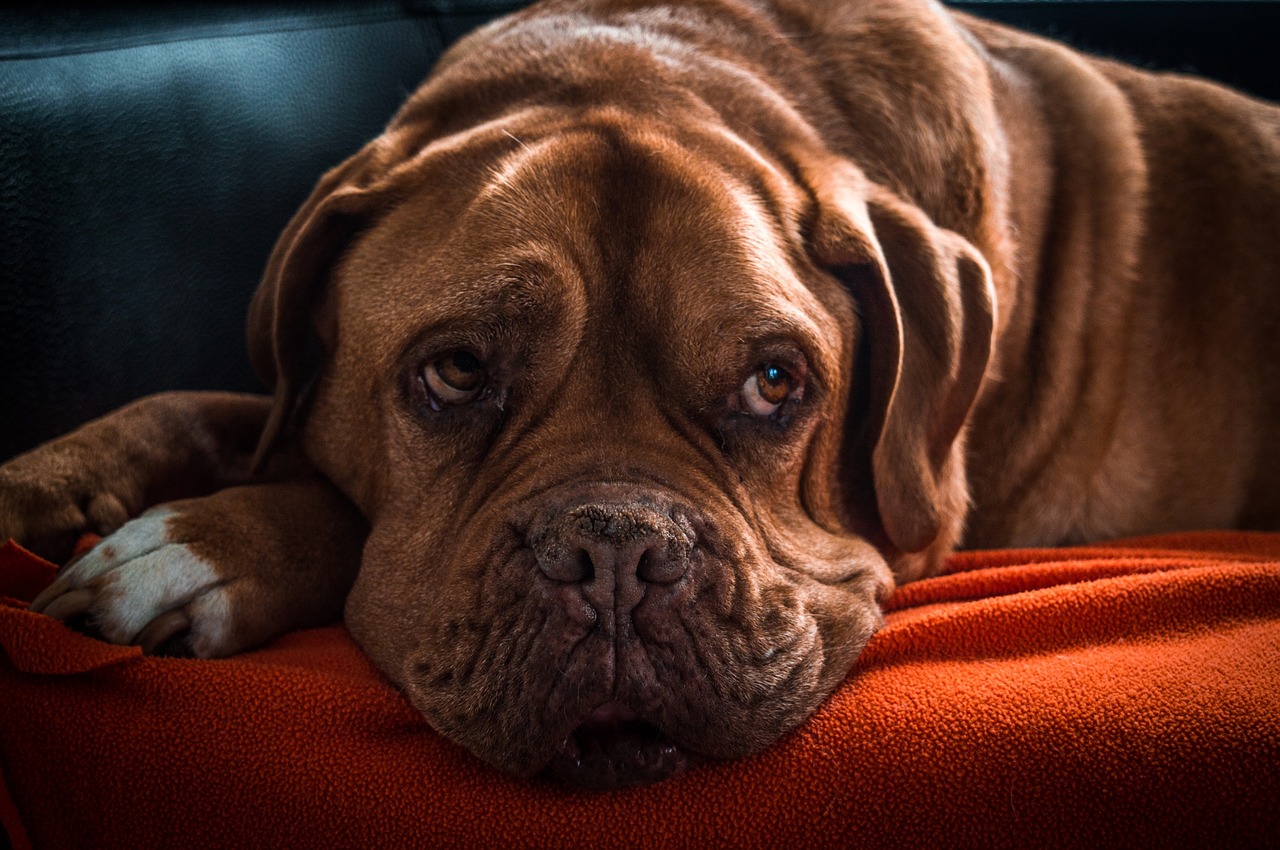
454,379
767,389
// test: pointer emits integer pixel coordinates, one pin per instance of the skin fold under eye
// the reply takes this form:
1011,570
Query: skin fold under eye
456,378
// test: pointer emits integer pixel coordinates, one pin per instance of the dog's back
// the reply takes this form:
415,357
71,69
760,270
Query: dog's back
1154,252
1132,222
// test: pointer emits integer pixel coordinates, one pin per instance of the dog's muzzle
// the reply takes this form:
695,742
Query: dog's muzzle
603,556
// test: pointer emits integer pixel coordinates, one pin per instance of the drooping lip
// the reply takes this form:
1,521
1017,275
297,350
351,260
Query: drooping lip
613,747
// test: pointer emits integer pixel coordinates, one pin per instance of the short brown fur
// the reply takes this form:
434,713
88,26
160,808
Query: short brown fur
1029,297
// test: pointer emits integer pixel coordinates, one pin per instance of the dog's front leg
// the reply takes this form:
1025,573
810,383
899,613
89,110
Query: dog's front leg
162,447
219,574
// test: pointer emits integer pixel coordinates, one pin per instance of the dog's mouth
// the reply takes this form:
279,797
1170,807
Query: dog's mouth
614,748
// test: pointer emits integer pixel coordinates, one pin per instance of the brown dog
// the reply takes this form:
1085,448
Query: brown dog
659,341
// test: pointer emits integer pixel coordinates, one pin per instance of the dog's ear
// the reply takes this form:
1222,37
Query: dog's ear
280,313
927,309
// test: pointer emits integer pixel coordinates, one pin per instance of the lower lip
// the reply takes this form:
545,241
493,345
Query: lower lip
613,748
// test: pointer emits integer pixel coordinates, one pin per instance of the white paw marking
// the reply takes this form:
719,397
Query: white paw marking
139,572
132,540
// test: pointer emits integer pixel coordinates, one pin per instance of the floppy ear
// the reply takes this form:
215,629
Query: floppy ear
280,313
927,306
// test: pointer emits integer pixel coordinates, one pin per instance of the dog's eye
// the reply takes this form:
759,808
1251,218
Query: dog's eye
766,389
456,378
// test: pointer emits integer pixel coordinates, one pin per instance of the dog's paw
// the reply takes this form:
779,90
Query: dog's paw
160,447
218,574
144,587
47,501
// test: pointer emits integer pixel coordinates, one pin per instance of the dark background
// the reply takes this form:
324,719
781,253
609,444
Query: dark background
150,154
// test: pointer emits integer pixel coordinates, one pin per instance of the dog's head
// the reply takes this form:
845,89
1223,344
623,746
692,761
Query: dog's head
639,416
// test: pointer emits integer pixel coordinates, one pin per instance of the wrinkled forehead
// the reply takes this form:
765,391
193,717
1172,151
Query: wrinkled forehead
593,224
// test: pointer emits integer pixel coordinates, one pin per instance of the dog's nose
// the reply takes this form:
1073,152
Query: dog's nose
621,541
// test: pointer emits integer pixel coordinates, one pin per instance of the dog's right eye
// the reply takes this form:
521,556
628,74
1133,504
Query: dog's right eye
456,378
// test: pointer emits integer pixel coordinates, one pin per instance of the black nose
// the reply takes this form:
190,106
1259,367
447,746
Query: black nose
623,542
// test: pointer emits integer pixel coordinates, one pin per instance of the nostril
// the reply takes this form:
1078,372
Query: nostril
586,567
566,564
661,565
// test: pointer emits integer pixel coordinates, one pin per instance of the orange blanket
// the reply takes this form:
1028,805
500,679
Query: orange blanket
1122,695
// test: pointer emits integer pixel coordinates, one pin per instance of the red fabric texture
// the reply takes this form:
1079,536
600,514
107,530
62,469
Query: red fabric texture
1118,695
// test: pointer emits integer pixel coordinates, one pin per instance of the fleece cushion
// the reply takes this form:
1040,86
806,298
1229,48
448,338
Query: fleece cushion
1122,695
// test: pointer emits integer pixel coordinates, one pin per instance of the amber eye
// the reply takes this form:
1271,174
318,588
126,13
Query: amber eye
765,389
456,378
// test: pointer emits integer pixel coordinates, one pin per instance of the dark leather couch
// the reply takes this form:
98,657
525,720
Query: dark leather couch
149,155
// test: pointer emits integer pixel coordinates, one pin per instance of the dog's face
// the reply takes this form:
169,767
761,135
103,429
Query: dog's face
598,403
